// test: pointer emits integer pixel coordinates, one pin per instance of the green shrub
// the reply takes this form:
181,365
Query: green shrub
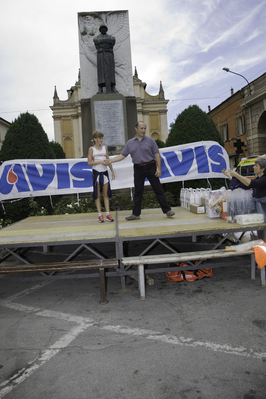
70,205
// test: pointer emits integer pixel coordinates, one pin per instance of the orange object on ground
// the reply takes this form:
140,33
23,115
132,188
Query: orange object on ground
187,275
260,255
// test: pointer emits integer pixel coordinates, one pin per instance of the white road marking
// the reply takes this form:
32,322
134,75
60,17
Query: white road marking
28,291
83,323
8,385
170,339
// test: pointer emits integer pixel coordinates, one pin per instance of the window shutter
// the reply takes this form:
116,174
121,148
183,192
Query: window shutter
243,123
225,132
236,126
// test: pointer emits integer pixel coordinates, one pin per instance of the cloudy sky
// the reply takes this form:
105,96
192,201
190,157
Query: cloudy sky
183,43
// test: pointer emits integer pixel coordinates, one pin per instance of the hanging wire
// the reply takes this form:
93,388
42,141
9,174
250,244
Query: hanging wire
3,207
226,185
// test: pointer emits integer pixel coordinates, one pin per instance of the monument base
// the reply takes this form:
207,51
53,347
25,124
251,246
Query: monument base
112,114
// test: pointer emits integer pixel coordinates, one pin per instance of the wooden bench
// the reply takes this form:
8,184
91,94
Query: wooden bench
100,264
140,261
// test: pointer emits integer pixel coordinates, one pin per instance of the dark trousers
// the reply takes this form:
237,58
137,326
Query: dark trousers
140,173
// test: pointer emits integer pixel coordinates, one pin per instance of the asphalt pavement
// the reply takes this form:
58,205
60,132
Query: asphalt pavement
187,340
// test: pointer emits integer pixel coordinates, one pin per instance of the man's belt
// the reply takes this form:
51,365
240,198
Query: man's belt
146,163
105,50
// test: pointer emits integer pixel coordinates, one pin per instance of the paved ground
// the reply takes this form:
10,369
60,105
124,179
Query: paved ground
200,340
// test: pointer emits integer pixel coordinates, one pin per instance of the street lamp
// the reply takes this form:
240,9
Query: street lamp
228,70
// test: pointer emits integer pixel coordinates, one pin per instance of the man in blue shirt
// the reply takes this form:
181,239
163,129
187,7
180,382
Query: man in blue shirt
145,157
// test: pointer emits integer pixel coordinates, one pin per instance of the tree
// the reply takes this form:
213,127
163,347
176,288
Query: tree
58,150
193,125
26,139
190,126
160,143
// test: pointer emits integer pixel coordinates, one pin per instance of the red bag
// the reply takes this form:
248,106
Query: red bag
188,275
175,276
204,273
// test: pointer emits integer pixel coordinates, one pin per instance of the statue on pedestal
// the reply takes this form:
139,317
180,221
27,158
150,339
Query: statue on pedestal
118,26
104,44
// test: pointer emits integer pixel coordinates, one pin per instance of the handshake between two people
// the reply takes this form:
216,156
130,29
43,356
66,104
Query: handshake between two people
107,162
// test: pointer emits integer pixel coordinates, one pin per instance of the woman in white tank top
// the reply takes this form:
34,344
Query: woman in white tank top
96,156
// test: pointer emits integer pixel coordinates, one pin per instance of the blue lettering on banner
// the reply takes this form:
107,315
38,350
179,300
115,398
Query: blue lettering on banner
202,159
22,185
82,171
216,154
180,168
5,188
40,182
63,179
164,169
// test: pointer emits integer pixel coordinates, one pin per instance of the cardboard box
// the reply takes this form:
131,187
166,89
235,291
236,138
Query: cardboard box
250,218
197,208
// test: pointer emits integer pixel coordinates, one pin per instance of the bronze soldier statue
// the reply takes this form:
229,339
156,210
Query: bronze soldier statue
104,44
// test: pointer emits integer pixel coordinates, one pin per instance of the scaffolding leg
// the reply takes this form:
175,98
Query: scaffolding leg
141,276
262,276
253,267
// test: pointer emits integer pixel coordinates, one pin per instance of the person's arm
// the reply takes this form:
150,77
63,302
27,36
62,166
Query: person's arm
90,161
110,166
227,174
118,158
242,179
234,182
158,161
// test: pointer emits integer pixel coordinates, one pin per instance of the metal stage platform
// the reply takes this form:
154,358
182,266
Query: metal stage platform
81,232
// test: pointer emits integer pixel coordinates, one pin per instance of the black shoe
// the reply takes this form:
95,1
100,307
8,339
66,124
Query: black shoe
170,214
132,217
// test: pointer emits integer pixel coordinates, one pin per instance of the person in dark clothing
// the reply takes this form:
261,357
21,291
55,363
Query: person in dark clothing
258,185
147,164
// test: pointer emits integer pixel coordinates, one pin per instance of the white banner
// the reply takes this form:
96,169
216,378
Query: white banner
39,177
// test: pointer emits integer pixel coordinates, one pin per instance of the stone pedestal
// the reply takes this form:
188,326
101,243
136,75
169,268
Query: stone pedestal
109,117
112,114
